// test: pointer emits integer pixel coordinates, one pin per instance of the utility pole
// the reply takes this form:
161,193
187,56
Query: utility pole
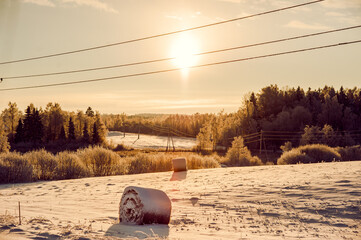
173,144
168,140
139,131
264,145
260,143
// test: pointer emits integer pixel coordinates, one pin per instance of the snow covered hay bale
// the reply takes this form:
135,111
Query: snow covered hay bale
144,206
179,164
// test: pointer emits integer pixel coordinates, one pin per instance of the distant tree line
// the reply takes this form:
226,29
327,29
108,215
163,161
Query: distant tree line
327,116
157,124
49,127
294,116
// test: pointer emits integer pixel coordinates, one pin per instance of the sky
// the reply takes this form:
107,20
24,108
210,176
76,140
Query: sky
31,28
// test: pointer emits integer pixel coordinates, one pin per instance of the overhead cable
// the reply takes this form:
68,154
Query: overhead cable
158,35
172,58
177,69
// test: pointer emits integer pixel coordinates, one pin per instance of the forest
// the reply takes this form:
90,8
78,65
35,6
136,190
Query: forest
269,119
51,128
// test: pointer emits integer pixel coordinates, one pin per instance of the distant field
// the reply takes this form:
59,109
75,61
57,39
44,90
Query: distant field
149,141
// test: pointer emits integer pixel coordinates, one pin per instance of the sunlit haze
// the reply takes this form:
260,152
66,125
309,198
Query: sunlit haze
31,28
183,51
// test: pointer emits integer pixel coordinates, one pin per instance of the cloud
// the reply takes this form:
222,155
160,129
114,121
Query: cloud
45,3
174,17
91,3
231,1
335,14
301,25
185,16
344,18
97,4
342,4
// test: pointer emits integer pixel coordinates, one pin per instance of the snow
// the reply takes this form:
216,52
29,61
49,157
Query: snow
310,201
149,141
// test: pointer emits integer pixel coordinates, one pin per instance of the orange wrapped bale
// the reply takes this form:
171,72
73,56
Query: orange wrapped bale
179,164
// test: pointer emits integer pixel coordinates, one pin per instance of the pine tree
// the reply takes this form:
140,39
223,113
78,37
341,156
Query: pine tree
19,135
27,125
62,135
33,126
71,130
95,137
38,128
86,137
89,112
101,129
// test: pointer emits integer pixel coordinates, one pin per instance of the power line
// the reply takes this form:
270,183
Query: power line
172,58
177,69
251,135
286,135
282,132
159,35
253,141
183,133
168,130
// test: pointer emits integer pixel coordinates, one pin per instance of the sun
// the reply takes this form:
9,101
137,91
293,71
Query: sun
184,50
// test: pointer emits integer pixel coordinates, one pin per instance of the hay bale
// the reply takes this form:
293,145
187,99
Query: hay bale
144,206
179,164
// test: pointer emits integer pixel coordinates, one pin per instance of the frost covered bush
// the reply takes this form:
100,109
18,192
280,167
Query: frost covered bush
195,161
350,153
100,161
293,156
286,147
146,163
160,162
70,166
309,154
239,155
44,164
14,168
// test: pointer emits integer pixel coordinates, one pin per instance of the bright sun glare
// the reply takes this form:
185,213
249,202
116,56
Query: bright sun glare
184,50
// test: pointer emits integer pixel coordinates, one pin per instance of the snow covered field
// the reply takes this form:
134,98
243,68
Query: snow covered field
313,201
149,141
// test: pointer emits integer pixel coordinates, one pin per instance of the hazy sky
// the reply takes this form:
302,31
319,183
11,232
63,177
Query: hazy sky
30,28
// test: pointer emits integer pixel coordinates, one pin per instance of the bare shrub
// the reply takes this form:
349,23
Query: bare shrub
286,147
8,220
195,161
100,161
309,154
161,162
293,156
145,163
121,147
44,164
70,166
239,155
350,153
319,153
14,168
